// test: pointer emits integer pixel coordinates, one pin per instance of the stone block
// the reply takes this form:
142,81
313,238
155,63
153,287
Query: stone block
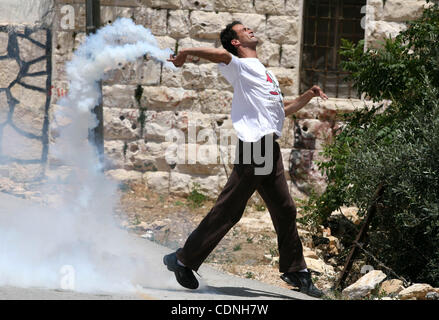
198,5
257,22
157,152
402,10
158,125
119,96
293,7
28,97
137,155
114,151
166,42
190,123
270,6
40,66
379,30
142,156
122,175
35,81
24,173
283,29
9,70
269,54
288,80
39,35
109,14
198,159
165,98
142,71
182,184
195,127
153,19
331,109
316,132
121,123
199,76
157,181
190,42
122,3
234,5
208,25
4,40
4,107
18,146
64,44
21,12
215,101
30,119
163,4
179,23
192,76
289,56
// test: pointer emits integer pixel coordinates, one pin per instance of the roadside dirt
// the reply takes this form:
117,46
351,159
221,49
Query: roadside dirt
249,250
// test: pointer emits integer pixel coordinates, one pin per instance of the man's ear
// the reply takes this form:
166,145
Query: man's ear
235,42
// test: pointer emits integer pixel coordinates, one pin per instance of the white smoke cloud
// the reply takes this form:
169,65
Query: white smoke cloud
80,231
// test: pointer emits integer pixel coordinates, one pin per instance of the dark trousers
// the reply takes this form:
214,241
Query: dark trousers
230,205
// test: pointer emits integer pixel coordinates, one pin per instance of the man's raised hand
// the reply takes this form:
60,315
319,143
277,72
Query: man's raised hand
318,92
179,59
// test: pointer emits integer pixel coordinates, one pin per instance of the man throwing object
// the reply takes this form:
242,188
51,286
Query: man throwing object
258,113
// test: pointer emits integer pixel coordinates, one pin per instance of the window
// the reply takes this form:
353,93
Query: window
325,23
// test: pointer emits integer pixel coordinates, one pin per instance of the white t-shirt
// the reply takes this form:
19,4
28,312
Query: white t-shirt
257,105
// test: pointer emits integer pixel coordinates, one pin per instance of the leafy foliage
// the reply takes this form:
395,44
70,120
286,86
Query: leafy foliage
397,145
195,197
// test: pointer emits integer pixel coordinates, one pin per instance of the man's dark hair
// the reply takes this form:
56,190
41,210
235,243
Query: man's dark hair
227,35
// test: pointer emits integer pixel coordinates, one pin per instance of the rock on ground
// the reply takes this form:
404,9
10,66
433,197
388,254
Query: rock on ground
392,287
417,291
364,285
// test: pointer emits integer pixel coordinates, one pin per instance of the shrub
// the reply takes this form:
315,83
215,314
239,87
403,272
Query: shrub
195,197
397,146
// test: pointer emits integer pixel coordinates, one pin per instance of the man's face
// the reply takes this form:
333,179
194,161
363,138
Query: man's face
246,36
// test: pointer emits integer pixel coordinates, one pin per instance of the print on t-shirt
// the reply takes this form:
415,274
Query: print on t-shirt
276,88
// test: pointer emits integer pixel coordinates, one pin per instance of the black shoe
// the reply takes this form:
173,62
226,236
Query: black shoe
184,275
302,280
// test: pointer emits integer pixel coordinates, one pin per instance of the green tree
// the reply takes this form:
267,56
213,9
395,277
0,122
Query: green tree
397,145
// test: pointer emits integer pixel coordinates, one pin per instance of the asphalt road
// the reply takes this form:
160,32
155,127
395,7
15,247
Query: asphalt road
214,285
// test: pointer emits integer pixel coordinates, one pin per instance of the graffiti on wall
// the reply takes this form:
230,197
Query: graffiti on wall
25,86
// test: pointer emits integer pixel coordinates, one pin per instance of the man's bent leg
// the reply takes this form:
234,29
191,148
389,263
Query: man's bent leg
226,212
274,191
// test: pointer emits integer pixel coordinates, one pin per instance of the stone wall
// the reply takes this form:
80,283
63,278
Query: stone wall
389,20
25,81
195,99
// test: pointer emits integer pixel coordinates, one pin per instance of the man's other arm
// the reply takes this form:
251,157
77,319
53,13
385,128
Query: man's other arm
295,105
216,55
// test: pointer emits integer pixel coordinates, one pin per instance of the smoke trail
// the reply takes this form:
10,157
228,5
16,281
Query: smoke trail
35,242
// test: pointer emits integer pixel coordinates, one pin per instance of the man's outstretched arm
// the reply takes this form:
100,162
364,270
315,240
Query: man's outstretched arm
295,105
216,55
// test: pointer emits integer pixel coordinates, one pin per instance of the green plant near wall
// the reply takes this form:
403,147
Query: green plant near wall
397,145
196,198
141,119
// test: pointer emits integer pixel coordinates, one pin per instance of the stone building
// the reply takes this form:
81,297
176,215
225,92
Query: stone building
299,44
